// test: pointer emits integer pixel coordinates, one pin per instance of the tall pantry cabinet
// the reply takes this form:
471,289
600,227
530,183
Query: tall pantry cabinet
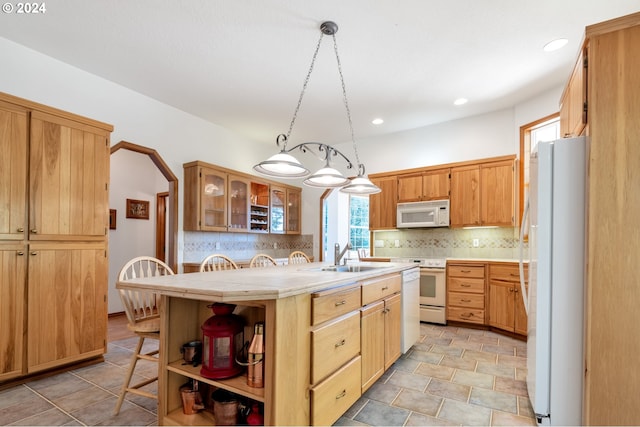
607,110
54,176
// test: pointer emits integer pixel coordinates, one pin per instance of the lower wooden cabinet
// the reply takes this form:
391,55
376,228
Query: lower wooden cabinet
67,307
12,309
506,307
392,330
380,346
466,301
333,396
372,343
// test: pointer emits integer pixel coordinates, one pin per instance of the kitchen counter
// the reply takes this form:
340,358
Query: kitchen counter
258,283
286,299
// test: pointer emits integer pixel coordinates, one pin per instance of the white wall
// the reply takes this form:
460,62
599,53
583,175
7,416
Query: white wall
133,176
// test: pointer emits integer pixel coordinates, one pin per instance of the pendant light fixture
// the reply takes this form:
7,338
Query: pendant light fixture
284,165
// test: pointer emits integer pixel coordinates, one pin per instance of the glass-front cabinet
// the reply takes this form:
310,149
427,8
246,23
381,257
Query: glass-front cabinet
238,203
213,196
278,213
294,211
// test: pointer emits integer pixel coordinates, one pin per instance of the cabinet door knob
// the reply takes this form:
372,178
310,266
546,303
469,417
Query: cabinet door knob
20,253
341,343
34,231
34,253
20,229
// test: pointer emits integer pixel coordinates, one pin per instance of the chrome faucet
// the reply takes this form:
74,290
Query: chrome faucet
338,255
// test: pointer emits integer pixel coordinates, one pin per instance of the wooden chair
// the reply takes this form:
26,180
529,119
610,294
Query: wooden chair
217,262
262,260
143,315
298,257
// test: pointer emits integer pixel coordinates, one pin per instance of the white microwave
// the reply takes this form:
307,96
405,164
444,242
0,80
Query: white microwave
433,213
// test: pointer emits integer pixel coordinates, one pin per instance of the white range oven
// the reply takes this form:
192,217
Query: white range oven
433,288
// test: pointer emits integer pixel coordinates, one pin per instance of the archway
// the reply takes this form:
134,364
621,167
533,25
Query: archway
172,204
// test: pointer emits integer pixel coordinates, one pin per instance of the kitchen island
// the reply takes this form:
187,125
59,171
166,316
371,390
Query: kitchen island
305,308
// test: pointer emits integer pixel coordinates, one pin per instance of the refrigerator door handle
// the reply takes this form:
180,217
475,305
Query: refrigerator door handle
525,297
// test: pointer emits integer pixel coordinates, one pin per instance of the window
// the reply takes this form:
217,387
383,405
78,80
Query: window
359,222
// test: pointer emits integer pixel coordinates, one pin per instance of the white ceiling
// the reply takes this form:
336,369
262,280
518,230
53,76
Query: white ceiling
241,63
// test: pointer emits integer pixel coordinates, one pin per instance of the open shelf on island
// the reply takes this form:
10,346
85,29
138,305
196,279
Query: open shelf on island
236,385
202,418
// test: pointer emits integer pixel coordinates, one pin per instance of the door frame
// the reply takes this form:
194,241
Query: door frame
172,205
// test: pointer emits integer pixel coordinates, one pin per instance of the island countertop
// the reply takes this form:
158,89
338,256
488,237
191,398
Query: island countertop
250,284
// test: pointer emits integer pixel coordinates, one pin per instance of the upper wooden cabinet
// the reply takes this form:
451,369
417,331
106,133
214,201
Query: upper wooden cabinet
205,199
219,199
69,179
294,211
286,212
465,196
382,206
428,185
573,105
13,171
484,194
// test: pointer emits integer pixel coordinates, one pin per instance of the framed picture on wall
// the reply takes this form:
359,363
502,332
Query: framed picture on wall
137,209
112,219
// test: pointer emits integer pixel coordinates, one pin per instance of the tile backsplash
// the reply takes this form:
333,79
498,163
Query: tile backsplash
491,243
243,246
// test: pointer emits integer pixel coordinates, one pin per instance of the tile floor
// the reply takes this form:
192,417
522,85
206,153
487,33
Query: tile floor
454,376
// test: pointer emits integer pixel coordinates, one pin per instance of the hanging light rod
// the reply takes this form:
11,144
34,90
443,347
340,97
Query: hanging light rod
284,165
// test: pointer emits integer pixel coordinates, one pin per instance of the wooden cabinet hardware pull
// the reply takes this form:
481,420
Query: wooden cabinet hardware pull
465,285
34,253
465,300
341,395
20,229
514,275
341,343
339,303
466,315
510,289
465,271
385,288
34,231
20,253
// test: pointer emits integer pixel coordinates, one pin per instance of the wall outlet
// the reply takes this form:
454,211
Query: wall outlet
397,243
275,246
476,243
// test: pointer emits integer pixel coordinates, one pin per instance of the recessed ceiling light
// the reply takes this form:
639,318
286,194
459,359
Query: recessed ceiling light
377,121
460,101
555,45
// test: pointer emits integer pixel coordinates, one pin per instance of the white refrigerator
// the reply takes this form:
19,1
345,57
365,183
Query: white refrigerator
555,300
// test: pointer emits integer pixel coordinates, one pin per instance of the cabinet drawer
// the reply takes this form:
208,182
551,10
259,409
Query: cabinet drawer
507,272
375,289
332,303
466,271
457,284
332,397
459,299
470,315
333,344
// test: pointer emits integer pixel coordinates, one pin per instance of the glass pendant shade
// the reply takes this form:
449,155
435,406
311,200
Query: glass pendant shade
361,185
282,165
327,177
